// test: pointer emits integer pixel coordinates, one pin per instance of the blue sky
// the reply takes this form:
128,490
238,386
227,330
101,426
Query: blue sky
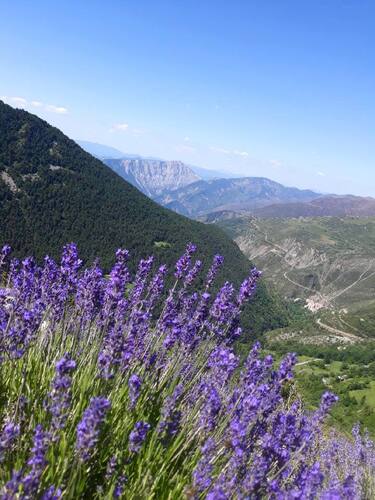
283,89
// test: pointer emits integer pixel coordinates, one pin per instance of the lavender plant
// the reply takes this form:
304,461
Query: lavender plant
113,386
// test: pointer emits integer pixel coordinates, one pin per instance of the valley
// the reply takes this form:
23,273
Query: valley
327,264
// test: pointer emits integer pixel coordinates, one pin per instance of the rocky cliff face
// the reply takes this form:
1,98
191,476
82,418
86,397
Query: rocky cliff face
153,177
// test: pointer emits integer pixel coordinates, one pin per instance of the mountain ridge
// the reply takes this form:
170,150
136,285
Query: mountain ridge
329,206
244,194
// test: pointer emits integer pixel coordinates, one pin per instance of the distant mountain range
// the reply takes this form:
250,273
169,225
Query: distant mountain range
243,194
334,206
211,195
100,150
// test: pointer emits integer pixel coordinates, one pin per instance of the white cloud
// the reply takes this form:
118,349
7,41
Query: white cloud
321,174
19,102
276,163
184,148
60,110
244,154
236,152
119,127
219,150
136,132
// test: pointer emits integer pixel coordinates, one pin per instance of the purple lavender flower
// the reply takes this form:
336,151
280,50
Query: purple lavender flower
216,264
70,264
183,263
120,485
327,401
60,395
202,474
12,487
217,494
156,287
8,436
111,468
137,436
248,287
222,308
309,482
37,462
171,415
211,407
134,384
224,313
88,428
118,279
222,362
52,493
286,367
5,251
193,273
90,293
144,268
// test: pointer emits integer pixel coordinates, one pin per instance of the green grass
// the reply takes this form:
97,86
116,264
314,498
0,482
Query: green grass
353,406
162,244
369,394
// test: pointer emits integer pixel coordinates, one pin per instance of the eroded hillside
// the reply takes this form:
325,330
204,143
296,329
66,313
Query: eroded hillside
326,263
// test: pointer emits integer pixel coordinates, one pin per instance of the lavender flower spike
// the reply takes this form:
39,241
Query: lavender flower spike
37,462
8,436
5,251
52,494
60,394
134,384
88,428
183,263
138,435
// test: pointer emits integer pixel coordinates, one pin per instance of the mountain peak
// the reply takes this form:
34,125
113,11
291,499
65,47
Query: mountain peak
153,177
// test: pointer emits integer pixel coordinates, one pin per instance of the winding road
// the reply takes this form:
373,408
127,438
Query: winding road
331,329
